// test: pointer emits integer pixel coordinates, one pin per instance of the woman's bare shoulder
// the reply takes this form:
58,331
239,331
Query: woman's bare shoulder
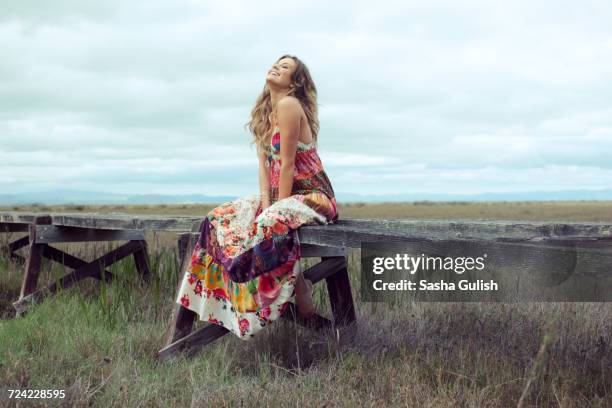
289,102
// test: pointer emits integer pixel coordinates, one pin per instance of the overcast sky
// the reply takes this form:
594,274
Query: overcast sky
431,96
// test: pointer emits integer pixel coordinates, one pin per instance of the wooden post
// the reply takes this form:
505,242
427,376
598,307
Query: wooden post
32,268
340,296
183,244
183,319
141,259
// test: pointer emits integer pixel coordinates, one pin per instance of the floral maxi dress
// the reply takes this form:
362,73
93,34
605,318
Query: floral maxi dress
245,262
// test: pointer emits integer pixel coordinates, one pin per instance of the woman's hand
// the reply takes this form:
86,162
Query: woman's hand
265,203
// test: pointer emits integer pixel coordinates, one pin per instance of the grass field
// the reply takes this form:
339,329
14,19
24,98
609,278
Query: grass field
99,342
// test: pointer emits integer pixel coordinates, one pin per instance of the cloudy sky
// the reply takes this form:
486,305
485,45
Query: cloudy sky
431,96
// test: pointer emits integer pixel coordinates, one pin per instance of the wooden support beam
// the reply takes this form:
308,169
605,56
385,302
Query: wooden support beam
13,227
86,271
340,296
181,324
192,343
312,250
19,243
18,259
141,259
15,246
70,261
324,269
22,305
32,268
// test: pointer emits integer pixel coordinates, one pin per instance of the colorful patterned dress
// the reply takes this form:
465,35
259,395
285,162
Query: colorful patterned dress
245,262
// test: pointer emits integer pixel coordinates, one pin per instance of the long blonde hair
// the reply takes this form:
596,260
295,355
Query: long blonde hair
303,89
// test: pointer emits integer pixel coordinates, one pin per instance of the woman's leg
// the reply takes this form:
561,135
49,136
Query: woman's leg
303,296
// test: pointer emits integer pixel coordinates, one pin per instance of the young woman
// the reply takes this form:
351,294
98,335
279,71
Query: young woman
245,265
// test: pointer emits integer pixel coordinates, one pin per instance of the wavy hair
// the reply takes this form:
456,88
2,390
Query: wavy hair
261,121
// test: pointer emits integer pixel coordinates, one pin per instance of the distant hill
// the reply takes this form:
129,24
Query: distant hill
561,195
56,197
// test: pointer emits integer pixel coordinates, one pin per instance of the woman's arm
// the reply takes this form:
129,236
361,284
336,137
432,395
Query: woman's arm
264,179
289,113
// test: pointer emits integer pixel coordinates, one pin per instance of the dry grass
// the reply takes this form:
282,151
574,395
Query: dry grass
99,342
493,210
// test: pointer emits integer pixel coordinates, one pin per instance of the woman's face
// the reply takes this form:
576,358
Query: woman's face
281,72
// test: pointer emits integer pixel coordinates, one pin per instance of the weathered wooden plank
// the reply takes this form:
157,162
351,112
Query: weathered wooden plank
46,234
479,229
340,296
13,227
19,217
89,270
352,234
108,221
148,222
537,258
349,232
403,228
32,268
594,258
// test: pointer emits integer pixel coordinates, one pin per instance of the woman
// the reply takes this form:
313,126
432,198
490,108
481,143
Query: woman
245,265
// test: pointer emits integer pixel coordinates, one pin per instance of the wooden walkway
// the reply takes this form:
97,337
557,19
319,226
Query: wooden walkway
329,242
